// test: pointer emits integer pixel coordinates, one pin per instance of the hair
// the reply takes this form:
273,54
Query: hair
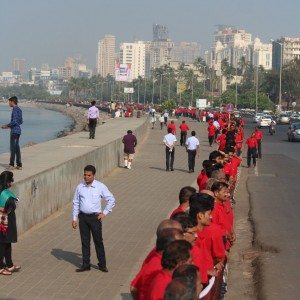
183,121
169,130
129,131
175,253
193,133
185,221
210,182
6,177
185,194
93,102
217,186
189,272
90,168
229,149
180,289
13,99
172,122
224,131
199,203
214,154
166,237
167,223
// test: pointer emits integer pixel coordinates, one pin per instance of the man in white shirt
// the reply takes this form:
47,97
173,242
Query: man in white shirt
192,148
166,115
169,140
93,117
217,126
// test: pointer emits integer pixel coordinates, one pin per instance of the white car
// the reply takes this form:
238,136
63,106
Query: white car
265,121
257,117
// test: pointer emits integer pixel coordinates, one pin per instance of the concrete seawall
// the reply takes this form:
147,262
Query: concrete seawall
51,170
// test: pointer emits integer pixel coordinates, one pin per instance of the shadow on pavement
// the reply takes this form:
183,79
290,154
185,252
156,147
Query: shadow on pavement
70,257
126,296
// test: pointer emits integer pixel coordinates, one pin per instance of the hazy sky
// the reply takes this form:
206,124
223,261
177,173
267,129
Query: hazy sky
47,31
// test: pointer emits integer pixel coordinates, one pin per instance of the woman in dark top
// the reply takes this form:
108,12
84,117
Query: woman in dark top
8,226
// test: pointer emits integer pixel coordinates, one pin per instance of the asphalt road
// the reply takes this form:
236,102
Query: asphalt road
274,188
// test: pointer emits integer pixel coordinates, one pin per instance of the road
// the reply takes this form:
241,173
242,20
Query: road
274,196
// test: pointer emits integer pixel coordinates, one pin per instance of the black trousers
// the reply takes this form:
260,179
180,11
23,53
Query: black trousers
183,138
259,148
92,127
5,253
170,158
211,139
166,120
90,224
251,153
15,151
191,159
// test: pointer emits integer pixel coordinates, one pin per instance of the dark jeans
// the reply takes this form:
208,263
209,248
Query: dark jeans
90,224
191,159
5,252
238,152
183,138
15,150
259,149
92,127
161,125
170,158
210,140
166,120
251,153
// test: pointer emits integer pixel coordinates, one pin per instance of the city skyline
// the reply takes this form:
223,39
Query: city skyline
42,32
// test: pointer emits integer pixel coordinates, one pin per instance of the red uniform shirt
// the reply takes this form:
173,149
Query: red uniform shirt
251,142
184,127
235,163
142,280
222,215
239,140
258,135
173,127
221,140
202,180
158,285
177,210
211,130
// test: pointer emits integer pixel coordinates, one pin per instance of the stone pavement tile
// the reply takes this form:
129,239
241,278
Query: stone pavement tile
50,252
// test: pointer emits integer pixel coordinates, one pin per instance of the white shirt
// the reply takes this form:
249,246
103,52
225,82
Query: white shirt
93,112
161,119
192,143
169,140
166,114
216,124
87,199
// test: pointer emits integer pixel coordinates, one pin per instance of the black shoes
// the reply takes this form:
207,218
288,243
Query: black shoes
103,269
83,269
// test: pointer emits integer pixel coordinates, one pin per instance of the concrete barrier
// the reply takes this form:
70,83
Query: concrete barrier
53,169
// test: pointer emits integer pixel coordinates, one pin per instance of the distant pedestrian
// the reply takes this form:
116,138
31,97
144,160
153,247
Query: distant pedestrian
211,132
169,141
93,117
8,226
184,128
161,121
192,148
129,140
166,116
152,118
88,210
259,136
172,126
252,150
15,133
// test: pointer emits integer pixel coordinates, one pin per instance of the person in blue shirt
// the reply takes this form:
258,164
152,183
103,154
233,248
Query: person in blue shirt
15,133
88,210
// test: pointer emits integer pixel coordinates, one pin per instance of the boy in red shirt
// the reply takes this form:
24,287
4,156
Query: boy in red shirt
211,132
221,140
239,138
259,136
203,175
184,196
176,254
172,126
252,148
184,128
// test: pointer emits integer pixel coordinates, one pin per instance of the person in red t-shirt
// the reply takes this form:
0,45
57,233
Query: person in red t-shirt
184,128
172,126
176,254
252,148
211,132
221,140
239,138
203,177
184,196
259,136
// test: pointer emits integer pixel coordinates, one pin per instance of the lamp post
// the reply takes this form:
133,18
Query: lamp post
145,90
160,87
236,81
256,88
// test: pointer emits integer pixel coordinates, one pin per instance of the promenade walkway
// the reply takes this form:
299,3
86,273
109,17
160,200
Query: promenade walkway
50,251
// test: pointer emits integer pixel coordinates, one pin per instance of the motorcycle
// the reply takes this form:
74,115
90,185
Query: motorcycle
272,129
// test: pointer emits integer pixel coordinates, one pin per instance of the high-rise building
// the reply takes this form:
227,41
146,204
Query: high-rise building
261,54
106,56
134,54
160,32
185,52
285,50
19,66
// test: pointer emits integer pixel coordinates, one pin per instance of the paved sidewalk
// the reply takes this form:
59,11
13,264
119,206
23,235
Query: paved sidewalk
50,252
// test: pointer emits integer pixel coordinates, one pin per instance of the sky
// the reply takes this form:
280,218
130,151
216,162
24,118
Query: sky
48,31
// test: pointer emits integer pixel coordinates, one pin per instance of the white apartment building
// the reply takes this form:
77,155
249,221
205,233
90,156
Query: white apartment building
106,56
160,53
134,54
261,54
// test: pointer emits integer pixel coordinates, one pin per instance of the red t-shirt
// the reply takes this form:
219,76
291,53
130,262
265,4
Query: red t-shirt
184,127
202,180
251,142
173,127
212,235
142,280
239,141
222,215
258,135
158,284
176,211
235,163
221,140
211,130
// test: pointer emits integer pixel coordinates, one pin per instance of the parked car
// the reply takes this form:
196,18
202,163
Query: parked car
294,132
294,118
265,121
257,117
284,119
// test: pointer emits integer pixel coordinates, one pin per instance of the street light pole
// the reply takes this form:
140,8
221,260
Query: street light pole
145,91
256,89
235,81
160,87
280,75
